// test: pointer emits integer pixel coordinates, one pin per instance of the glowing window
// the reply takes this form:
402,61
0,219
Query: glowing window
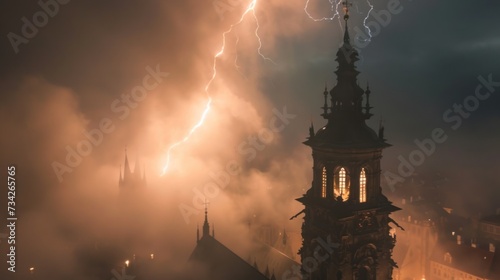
323,183
362,186
342,181
448,258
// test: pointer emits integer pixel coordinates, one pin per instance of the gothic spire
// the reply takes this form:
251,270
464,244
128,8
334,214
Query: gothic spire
346,96
346,106
206,226
346,4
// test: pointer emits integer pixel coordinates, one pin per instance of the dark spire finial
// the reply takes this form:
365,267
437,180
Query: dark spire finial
206,227
346,9
346,17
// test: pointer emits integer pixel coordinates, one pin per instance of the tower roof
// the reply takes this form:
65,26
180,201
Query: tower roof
346,115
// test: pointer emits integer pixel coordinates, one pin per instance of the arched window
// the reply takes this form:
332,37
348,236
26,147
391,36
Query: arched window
341,183
342,180
362,186
323,183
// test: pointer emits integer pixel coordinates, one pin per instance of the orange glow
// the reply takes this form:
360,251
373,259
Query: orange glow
362,186
251,7
323,183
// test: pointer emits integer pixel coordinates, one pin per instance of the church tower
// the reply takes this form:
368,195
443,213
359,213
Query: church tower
131,181
346,228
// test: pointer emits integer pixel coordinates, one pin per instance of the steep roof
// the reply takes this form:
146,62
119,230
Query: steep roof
221,263
494,219
278,263
475,261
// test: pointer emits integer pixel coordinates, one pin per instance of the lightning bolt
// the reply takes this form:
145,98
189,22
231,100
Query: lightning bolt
364,21
236,56
258,38
334,8
250,8
186,138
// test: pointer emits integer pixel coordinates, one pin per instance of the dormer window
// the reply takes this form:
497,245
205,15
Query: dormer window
362,186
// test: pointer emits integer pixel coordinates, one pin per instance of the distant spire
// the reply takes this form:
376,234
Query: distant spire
213,230
206,227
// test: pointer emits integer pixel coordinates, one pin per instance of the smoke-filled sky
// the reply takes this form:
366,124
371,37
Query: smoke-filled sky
135,73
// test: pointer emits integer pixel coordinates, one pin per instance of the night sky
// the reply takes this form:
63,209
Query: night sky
64,80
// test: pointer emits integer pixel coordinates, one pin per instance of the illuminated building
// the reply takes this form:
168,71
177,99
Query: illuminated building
345,207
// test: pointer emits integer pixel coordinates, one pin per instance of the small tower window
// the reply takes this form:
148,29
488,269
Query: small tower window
323,183
342,183
342,180
362,186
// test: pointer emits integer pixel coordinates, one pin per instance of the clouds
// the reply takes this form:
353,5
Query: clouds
91,53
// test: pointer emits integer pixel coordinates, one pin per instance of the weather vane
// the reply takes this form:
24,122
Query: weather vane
346,9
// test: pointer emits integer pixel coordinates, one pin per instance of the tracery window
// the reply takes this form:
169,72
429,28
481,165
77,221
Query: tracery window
362,186
342,181
323,183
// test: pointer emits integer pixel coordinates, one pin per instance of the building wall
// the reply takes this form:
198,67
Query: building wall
439,271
